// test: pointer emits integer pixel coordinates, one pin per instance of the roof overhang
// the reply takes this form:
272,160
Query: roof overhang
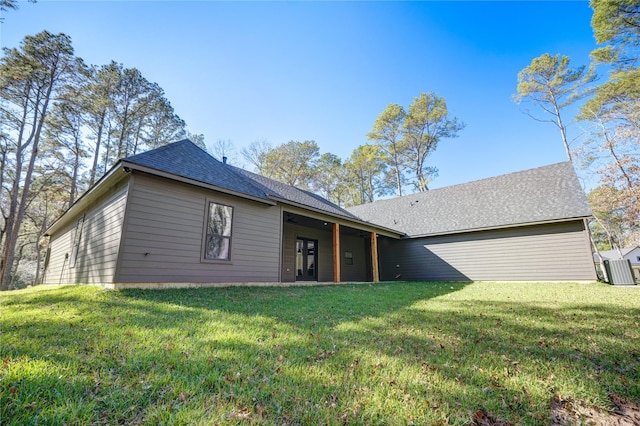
104,184
334,218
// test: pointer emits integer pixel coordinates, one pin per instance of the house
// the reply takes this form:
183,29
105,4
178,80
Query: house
175,216
632,254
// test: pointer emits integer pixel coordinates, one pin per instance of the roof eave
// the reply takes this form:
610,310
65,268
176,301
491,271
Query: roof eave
493,228
113,176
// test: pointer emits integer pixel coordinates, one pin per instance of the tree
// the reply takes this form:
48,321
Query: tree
29,78
426,123
64,147
616,26
365,168
132,99
256,155
198,139
612,147
550,84
48,199
158,123
292,163
223,148
611,229
388,132
614,151
98,97
6,5
330,179
62,124
124,114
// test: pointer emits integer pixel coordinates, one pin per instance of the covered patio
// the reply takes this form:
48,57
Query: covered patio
319,248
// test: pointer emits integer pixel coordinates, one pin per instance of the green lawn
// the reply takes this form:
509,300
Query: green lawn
390,353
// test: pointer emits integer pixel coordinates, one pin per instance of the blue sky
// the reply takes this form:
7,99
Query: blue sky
280,71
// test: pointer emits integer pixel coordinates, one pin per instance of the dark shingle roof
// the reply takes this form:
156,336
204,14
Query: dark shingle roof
292,194
186,160
538,195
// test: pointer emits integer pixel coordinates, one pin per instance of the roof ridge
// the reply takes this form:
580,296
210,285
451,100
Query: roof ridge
548,166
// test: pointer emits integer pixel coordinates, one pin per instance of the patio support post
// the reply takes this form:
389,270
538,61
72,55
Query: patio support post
336,253
374,257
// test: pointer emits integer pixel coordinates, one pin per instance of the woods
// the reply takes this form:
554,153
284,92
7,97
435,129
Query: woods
64,123
608,148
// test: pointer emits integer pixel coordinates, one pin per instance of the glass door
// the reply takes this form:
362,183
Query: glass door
306,260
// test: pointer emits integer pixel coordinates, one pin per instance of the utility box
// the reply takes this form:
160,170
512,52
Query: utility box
619,272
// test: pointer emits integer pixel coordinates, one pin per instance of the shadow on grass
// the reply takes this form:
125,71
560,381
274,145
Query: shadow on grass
357,354
301,306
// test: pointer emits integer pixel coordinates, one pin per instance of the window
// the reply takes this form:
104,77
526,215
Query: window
217,243
348,258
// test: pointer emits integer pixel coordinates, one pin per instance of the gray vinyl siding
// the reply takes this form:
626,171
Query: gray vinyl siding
553,252
164,233
98,249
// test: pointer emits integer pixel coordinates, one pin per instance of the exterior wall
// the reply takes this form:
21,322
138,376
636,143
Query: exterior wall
552,252
98,248
634,256
325,251
164,231
358,271
348,273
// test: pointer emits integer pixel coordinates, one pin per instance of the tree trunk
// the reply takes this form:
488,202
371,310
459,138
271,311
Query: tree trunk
96,152
16,265
563,130
8,247
74,177
19,209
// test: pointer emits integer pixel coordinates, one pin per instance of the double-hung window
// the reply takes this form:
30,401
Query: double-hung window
217,243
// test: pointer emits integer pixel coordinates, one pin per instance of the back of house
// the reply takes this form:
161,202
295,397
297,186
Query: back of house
175,216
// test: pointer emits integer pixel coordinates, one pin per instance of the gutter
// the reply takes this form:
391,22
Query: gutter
491,228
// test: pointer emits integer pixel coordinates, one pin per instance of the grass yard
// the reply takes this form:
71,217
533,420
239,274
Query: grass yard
389,353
